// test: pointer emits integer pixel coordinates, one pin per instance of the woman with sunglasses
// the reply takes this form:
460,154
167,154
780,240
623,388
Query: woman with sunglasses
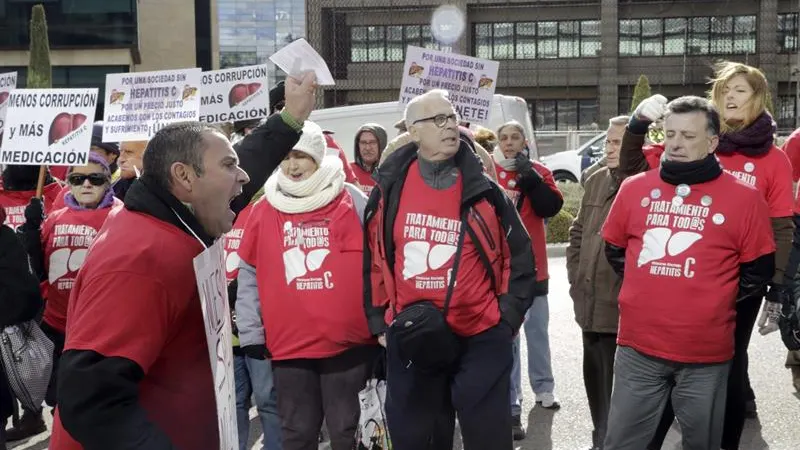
58,246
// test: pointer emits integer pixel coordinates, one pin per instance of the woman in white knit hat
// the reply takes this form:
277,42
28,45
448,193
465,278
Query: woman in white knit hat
308,317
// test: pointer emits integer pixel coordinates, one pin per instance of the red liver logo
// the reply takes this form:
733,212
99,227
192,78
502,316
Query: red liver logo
3,97
242,91
64,124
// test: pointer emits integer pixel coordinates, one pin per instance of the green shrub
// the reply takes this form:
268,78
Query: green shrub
558,227
572,193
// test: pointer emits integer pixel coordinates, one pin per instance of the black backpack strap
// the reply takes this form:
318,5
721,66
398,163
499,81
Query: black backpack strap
451,285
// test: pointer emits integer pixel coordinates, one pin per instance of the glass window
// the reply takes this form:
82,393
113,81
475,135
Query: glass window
568,39
721,36
744,34
629,37
545,115
526,40
674,36
358,44
698,35
567,115
590,38
587,114
503,44
395,50
786,112
483,40
376,44
547,45
652,35
787,32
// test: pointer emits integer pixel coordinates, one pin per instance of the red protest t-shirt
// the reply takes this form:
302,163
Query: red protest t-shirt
792,149
364,178
426,230
58,203
678,294
233,240
533,223
770,173
333,148
14,203
66,237
136,297
308,269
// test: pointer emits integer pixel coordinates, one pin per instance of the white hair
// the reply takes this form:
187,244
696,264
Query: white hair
416,106
618,121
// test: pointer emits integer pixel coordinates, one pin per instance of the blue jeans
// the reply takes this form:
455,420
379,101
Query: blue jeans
254,376
540,370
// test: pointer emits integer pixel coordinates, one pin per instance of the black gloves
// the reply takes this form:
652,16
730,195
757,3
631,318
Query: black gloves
259,352
34,214
529,178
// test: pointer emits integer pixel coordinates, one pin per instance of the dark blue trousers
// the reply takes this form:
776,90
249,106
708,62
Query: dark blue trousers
421,406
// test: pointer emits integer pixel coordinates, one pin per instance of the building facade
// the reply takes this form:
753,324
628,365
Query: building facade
576,62
250,31
91,38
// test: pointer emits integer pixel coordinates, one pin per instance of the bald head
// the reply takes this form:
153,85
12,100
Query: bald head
433,124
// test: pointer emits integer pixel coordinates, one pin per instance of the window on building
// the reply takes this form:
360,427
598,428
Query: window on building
542,40
785,112
563,115
590,38
718,35
787,32
72,23
630,37
674,36
387,43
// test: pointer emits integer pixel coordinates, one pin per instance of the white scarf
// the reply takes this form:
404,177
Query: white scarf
294,197
509,164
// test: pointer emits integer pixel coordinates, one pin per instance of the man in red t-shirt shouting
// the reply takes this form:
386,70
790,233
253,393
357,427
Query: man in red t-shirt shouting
450,267
690,241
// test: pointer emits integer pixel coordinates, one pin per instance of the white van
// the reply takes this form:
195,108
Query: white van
344,121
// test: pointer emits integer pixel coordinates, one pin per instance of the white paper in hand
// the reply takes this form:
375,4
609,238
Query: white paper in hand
300,57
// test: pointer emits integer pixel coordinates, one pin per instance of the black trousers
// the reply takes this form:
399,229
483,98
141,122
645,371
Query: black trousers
421,405
312,389
57,338
739,389
598,378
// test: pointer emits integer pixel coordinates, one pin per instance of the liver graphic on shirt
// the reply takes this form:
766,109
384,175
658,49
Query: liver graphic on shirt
419,257
306,247
659,242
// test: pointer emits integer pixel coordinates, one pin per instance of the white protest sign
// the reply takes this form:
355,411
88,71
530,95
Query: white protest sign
8,82
470,81
235,94
209,269
50,127
141,103
300,57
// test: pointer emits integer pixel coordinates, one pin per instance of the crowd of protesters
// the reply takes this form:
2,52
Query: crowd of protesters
420,262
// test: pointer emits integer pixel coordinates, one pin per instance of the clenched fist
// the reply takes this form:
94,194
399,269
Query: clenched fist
651,109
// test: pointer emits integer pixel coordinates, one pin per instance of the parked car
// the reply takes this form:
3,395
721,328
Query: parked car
568,165
346,120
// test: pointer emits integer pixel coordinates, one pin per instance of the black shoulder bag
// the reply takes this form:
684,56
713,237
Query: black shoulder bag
420,330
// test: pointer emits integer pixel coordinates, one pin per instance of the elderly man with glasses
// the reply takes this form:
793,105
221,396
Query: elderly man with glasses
449,267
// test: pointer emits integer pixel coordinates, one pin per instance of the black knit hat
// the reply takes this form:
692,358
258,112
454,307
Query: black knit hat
277,97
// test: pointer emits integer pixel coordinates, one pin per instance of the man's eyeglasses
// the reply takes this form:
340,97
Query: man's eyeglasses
96,179
440,120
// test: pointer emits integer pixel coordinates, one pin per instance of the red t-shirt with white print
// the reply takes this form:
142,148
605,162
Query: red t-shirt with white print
66,237
233,240
364,178
770,173
308,271
682,260
14,203
533,223
426,232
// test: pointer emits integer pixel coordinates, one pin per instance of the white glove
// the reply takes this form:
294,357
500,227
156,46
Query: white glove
651,109
768,320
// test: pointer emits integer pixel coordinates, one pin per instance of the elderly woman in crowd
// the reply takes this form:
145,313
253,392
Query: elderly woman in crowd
308,317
